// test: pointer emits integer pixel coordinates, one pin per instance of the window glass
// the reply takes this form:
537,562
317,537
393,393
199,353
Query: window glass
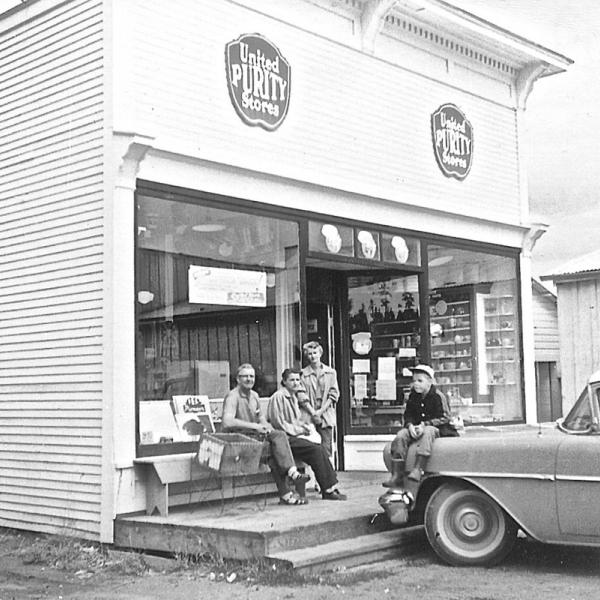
475,333
400,249
580,417
385,343
367,244
215,289
330,239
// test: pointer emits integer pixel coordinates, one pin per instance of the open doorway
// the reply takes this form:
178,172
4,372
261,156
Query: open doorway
369,322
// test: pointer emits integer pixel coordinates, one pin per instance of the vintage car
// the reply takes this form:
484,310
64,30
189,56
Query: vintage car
480,489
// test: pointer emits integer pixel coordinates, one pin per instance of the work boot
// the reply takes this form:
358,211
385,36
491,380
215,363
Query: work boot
417,473
397,478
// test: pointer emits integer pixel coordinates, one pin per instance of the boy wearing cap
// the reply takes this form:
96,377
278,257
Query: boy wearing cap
426,418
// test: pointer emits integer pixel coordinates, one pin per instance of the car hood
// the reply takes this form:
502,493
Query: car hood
495,450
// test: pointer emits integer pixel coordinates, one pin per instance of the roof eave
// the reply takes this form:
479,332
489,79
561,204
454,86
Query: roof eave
477,28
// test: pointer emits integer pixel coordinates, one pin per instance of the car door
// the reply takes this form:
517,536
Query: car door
578,485
578,469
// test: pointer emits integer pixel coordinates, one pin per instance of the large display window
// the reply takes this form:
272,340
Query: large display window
215,289
475,334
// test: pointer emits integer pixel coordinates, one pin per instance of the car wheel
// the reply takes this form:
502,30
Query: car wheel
466,527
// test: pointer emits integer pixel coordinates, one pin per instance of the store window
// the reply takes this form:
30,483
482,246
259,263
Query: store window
215,289
363,243
475,333
385,342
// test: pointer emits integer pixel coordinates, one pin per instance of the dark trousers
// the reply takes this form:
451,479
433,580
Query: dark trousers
326,434
280,457
316,457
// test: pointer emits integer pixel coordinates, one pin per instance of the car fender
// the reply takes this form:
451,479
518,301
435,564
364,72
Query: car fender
517,470
538,520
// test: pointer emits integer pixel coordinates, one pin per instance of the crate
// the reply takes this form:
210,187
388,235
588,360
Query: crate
229,453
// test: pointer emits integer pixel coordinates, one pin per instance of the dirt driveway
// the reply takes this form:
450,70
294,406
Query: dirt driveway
35,568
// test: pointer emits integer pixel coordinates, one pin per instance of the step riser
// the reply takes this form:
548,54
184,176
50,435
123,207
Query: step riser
362,559
312,535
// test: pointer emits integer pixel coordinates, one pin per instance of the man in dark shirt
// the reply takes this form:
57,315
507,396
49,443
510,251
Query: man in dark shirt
425,418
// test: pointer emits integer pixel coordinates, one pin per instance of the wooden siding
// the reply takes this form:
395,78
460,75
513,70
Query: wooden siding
355,122
579,330
51,280
545,327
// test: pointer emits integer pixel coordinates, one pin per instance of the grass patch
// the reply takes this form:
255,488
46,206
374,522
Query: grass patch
69,554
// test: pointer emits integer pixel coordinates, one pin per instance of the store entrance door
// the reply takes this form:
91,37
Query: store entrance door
369,324
323,326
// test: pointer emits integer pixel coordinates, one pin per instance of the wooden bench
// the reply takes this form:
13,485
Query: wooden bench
175,479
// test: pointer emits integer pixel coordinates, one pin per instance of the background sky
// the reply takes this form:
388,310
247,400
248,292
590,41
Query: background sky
562,121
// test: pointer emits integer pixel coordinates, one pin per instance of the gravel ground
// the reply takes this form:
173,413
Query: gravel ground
36,568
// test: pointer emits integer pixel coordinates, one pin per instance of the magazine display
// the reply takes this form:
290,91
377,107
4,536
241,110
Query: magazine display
193,417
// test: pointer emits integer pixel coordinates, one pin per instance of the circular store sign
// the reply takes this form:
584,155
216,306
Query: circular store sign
259,80
452,141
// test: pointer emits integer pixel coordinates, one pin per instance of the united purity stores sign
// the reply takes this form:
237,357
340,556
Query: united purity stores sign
259,78
452,141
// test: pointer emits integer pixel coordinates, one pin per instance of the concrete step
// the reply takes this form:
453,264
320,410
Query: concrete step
352,552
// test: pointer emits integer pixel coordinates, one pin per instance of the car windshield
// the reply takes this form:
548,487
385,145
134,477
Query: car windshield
580,416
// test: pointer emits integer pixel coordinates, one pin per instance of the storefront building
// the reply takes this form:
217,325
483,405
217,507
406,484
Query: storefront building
211,185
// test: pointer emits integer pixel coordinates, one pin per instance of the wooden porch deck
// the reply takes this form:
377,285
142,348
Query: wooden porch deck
259,527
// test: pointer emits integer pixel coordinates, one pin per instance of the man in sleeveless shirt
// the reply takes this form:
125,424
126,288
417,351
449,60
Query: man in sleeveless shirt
242,414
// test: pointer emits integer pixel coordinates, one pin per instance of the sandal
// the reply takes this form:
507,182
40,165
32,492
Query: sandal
293,500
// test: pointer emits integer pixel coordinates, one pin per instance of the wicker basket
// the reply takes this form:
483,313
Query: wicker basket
229,453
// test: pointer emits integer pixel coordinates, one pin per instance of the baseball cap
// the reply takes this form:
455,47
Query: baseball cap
423,369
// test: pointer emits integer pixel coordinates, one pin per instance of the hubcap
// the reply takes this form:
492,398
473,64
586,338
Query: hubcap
469,522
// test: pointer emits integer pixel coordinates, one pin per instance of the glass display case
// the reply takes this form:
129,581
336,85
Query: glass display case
475,350
451,325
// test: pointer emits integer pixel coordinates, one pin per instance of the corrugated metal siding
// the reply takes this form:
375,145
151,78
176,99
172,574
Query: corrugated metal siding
579,330
545,328
355,122
51,165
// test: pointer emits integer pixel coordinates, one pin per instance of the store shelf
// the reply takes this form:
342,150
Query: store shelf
392,335
442,317
455,383
500,329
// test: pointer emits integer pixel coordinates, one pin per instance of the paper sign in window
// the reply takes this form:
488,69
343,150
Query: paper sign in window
228,287
386,367
361,365
360,386
385,389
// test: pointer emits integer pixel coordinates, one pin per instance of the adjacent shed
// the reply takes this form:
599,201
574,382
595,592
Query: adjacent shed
578,299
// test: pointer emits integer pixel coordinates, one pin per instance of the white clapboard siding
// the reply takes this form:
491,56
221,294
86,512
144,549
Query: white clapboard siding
51,270
545,326
355,122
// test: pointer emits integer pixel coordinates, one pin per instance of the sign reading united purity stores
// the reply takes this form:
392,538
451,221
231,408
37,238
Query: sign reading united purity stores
259,79
452,141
